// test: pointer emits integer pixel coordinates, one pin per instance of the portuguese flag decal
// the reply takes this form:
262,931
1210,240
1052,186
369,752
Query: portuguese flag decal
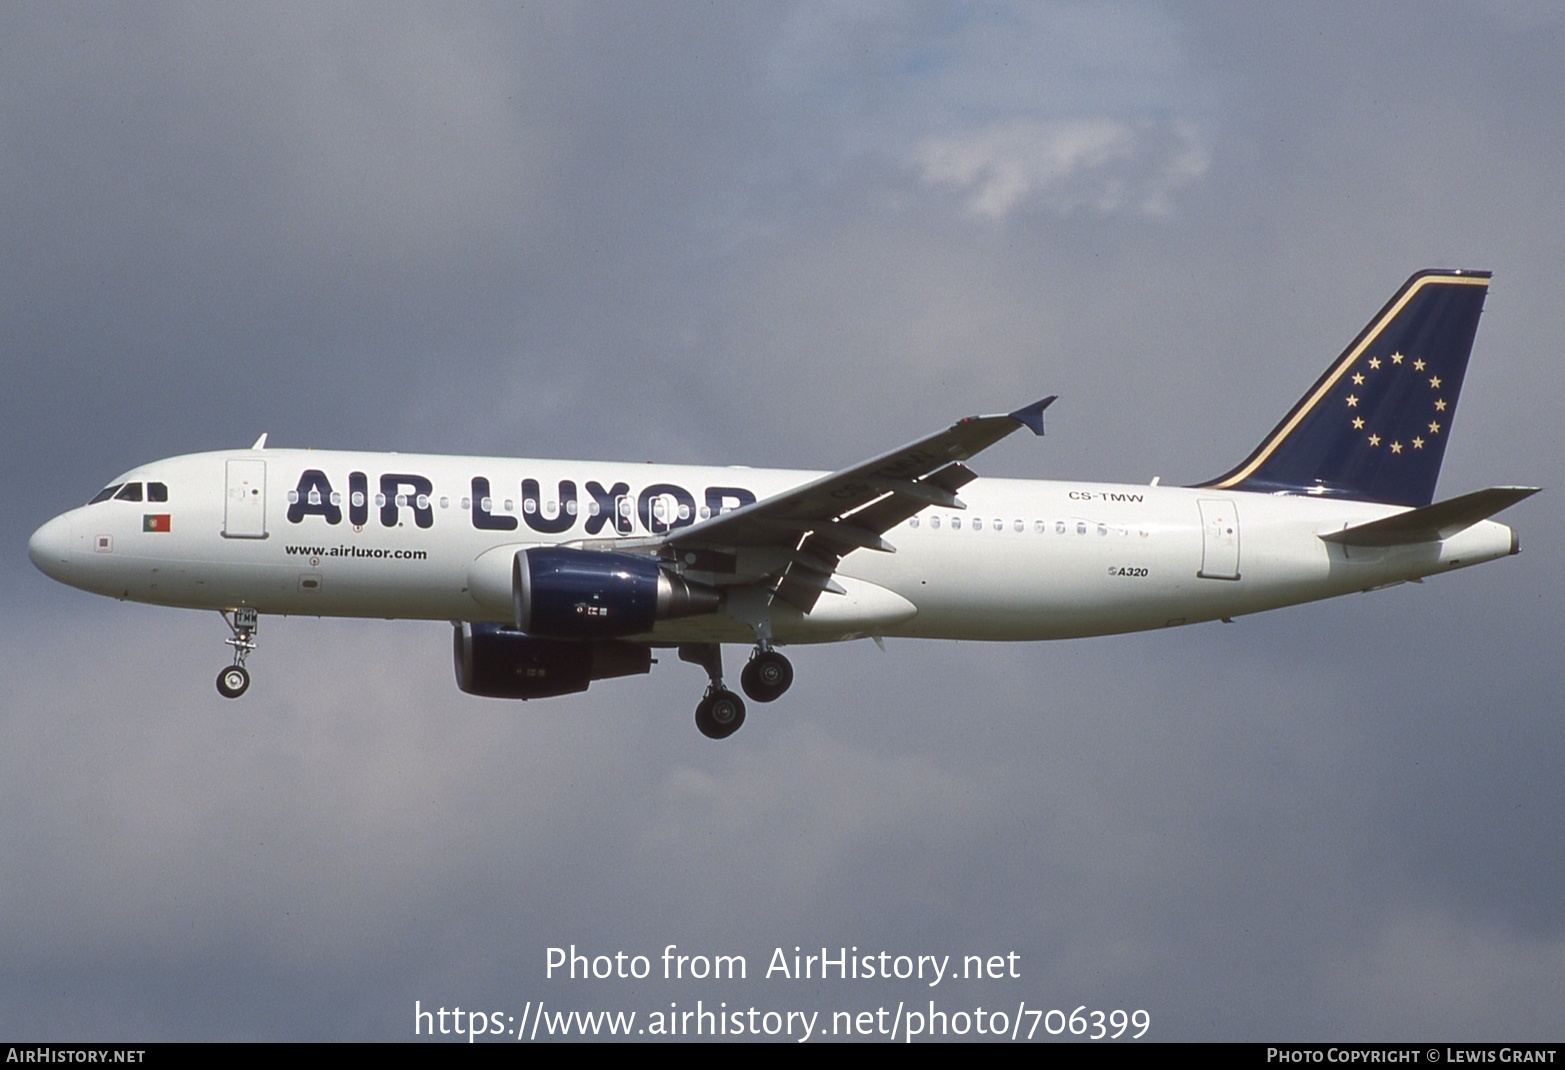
155,522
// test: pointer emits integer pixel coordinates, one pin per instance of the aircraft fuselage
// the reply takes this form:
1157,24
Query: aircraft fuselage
433,537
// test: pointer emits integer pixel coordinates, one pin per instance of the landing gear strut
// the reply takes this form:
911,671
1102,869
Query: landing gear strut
243,622
720,713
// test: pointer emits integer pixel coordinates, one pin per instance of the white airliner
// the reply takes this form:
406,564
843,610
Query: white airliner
558,573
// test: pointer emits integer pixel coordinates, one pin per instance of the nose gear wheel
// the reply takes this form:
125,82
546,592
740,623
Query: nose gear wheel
243,623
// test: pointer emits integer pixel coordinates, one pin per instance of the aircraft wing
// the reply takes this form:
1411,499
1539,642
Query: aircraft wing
823,521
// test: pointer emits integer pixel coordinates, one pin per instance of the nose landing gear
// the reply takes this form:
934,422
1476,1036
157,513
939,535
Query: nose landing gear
233,681
243,623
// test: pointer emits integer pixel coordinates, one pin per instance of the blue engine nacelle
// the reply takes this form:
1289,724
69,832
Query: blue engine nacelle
564,593
497,661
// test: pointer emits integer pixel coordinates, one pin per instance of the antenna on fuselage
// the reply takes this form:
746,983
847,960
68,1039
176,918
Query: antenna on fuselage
260,443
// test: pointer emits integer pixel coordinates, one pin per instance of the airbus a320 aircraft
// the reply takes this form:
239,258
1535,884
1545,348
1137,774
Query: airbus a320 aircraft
558,573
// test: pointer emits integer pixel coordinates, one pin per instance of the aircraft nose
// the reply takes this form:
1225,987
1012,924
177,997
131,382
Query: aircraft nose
50,548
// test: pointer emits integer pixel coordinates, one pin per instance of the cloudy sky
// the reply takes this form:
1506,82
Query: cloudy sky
792,234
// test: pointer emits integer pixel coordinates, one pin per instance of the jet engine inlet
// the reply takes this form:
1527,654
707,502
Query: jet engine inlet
566,593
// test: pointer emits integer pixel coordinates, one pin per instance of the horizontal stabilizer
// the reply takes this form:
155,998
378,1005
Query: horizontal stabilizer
1432,523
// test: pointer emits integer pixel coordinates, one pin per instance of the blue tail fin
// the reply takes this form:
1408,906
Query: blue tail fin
1374,426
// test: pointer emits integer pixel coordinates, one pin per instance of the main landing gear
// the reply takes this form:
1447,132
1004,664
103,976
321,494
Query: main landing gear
244,622
767,675
720,713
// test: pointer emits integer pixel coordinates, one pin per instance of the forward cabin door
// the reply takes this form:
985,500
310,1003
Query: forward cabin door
1219,540
244,506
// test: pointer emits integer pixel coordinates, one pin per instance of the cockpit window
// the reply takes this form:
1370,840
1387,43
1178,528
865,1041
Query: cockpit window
132,492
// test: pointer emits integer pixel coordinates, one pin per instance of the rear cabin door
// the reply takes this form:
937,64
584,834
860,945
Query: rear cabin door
1219,540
